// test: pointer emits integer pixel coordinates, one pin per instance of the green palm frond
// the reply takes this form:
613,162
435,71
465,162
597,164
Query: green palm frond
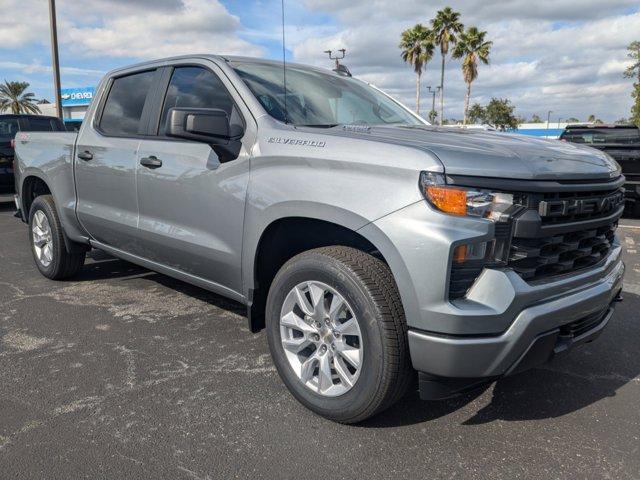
446,27
472,47
416,45
14,97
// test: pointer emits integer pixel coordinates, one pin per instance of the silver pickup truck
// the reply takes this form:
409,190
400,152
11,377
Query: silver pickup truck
370,244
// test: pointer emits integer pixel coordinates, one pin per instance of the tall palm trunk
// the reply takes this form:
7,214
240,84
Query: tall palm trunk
466,103
418,76
442,91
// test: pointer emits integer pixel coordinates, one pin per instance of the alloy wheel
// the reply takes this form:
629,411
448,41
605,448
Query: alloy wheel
321,338
42,238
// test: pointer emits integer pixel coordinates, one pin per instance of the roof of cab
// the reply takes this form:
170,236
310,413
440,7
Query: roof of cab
221,58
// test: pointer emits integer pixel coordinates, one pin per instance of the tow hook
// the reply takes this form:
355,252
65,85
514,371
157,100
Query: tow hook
619,297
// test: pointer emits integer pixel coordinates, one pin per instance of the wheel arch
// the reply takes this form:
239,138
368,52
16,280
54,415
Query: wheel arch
284,237
33,185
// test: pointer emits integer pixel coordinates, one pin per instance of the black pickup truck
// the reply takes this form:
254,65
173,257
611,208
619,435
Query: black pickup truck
11,124
622,142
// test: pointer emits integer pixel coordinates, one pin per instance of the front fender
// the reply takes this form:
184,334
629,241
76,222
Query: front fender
258,221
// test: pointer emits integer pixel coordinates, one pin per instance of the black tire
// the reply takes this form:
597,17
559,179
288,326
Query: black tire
63,264
368,286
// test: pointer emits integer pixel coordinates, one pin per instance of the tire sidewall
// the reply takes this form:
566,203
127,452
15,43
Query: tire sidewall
41,204
332,272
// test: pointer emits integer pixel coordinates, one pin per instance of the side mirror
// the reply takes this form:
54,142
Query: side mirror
209,125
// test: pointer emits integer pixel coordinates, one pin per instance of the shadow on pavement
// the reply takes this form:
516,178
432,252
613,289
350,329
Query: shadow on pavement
7,205
564,385
102,266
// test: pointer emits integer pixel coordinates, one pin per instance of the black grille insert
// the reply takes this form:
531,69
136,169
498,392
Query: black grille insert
536,258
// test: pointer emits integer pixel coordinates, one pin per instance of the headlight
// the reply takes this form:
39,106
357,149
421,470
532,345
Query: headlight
463,201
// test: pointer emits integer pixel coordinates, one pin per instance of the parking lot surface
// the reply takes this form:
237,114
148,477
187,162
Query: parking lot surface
125,373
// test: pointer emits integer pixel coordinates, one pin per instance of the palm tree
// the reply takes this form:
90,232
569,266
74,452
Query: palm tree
471,47
417,50
446,26
13,96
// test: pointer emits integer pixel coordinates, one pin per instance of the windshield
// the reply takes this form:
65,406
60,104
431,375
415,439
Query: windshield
320,99
594,136
8,128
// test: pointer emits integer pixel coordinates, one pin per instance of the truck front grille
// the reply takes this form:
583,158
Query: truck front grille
536,258
552,234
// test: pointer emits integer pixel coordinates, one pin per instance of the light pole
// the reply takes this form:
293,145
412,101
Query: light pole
337,57
54,56
433,103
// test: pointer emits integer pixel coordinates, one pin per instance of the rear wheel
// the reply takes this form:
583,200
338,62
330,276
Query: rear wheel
337,333
47,241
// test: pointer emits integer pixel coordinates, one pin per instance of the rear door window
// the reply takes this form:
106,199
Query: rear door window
122,111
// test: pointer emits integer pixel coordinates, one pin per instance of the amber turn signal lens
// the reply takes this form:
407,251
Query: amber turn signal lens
460,254
449,200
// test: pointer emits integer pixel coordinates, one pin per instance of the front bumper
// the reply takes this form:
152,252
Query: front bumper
537,332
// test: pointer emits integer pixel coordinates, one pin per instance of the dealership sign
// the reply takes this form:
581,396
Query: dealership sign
76,96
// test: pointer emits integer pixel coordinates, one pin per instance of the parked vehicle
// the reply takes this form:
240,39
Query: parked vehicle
622,142
370,244
9,126
73,125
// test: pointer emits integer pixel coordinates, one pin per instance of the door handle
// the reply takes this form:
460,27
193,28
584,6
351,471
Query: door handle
86,155
151,162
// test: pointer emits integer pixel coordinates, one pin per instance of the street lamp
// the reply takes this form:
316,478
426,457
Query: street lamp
337,57
54,57
433,103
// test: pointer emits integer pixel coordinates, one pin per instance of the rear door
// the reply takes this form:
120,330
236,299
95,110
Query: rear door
106,160
192,205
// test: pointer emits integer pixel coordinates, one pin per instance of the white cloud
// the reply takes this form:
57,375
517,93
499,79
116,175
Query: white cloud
121,28
37,67
15,30
195,26
558,55
540,60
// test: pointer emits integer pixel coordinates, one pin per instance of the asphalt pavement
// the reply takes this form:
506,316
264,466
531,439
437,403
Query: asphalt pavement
126,373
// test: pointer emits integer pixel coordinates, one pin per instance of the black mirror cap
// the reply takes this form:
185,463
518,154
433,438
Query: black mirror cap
210,125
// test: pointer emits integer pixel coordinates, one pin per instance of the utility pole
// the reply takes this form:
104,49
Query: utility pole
54,57
433,103
337,57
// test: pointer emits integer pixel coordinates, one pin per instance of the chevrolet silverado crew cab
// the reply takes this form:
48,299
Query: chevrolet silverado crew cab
370,244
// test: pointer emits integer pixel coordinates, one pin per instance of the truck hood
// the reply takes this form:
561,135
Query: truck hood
494,154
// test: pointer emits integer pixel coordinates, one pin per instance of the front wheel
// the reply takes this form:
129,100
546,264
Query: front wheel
337,333
47,241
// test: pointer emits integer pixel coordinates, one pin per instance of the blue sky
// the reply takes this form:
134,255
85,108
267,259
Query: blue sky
547,55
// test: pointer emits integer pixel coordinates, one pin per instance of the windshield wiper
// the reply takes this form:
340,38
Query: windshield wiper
319,125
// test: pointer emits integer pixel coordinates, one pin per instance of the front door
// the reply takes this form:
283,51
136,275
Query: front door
191,200
106,163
